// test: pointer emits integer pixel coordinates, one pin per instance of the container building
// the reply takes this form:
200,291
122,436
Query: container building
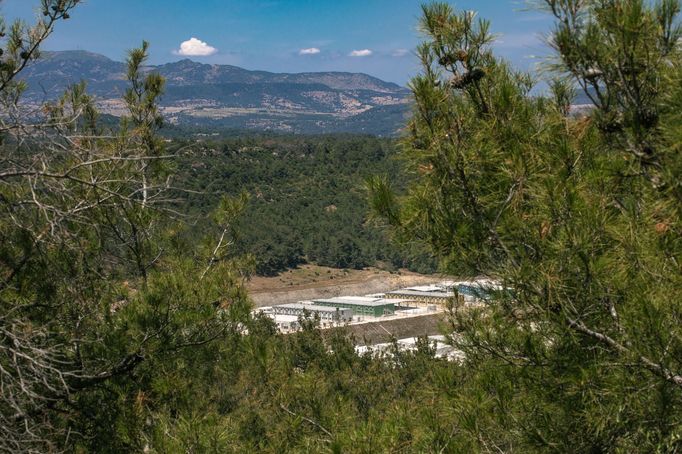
336,314
361,305
468,291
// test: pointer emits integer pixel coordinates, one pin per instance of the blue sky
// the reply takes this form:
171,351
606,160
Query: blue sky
371,36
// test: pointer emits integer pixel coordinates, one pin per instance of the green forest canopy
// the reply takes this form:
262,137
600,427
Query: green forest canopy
306,203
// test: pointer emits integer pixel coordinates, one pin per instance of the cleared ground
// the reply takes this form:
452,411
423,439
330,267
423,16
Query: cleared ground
310,281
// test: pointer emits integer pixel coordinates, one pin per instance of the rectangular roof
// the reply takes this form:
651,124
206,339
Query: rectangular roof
409,292
309,307
357,301
425,288
279,318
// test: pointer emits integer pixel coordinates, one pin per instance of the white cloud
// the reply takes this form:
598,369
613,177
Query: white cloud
194,47
400,52
309,51
360,53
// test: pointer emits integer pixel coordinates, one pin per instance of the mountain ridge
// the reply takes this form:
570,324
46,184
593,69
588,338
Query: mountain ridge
233,97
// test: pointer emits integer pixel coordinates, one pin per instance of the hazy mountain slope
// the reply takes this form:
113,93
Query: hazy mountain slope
224,95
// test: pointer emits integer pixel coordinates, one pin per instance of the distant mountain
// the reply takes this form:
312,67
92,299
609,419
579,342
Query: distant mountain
228,96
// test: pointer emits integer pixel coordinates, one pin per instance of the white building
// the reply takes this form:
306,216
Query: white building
285,323
325,313
475,291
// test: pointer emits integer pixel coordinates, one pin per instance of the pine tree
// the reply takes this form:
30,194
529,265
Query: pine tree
577,215
97,288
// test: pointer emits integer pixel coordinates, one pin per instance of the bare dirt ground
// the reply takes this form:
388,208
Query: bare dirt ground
310,281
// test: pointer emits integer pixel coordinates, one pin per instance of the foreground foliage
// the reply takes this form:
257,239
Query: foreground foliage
578,215
92,281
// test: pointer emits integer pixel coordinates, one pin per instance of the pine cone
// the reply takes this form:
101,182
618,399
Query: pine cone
461,55
466,79
446,60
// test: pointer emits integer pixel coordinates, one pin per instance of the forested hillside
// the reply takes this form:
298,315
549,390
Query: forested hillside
307,201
